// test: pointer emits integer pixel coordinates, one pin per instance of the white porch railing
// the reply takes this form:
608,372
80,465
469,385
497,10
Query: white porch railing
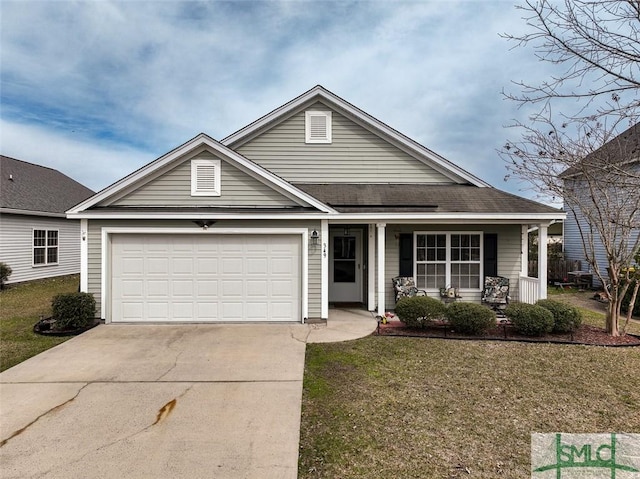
529,289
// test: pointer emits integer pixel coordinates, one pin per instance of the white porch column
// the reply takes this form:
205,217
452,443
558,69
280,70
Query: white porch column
542,259
371,268
84,255
380,263
524,258
324,269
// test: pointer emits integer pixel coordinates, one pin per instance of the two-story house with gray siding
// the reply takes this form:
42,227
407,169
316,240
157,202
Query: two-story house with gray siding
315,203
607,182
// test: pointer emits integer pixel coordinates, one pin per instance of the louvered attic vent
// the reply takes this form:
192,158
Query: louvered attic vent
205,177
318,127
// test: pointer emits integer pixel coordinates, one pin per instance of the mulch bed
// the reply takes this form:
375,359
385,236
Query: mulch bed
586,334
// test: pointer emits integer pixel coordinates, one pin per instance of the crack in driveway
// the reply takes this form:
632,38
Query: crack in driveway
55,408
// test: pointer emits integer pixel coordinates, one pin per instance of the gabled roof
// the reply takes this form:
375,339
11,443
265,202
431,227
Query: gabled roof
624,148
147,171
420,197
319,93
26,188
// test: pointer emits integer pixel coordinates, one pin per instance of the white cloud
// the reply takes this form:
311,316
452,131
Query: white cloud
95,165
124,82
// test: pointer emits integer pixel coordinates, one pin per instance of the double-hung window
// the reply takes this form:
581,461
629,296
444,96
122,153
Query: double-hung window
448,260
45,247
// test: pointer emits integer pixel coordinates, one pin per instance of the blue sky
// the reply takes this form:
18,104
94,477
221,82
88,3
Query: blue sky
97,89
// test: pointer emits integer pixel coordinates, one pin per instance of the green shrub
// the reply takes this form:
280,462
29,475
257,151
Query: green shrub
417,311
530,319
470,318
73,310
5,272
565,318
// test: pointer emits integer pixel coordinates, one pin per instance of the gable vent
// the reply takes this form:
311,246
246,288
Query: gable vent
318,126
205,177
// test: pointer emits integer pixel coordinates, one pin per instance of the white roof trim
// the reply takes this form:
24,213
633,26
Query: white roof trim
338,218
47,214
319,92
226,153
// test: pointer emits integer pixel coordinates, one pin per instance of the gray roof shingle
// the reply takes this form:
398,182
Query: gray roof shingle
34,188
363,198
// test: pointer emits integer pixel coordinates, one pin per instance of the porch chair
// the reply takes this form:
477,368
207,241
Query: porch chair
496,293
405,287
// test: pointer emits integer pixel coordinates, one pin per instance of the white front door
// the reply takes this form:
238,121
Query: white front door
345,267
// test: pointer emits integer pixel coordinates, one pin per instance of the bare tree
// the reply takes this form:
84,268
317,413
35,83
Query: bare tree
577,152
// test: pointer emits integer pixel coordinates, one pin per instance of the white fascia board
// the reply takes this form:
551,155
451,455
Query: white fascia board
363,118
339,218
47,214
185,148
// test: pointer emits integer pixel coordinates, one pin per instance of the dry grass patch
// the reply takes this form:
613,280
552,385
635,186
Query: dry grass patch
22,306
406,407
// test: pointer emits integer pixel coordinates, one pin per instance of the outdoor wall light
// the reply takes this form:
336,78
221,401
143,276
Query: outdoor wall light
314,238
346,231
204,224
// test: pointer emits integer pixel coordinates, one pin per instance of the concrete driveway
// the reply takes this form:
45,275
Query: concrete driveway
163,401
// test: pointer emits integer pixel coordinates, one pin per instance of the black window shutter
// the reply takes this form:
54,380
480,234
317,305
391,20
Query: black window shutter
491,254
406,254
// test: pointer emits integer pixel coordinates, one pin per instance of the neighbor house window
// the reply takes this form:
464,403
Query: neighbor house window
205,177
317,126
45,247
448,260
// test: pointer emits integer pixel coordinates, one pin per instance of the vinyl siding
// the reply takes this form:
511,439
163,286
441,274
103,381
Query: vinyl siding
355,154
573,244
509,246
173,188
16,246
95,251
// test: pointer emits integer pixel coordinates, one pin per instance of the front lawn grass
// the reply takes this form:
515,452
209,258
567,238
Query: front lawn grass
21,306
417,408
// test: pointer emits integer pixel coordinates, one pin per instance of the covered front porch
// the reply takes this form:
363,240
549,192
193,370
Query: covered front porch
359,260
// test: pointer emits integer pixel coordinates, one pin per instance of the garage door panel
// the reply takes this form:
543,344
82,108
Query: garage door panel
182,311
182,288
205,277
206,265
233,266
257,311
207,288
257,266
282,266
207,311
232,310
182,266
156,266
257,289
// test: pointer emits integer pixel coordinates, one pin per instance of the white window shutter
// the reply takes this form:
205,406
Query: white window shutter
318,127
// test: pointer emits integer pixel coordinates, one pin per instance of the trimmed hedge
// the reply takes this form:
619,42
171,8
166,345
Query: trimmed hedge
470,318
565,318
73,310
417,311
530,319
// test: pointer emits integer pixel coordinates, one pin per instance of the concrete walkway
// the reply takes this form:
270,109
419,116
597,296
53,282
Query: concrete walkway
164,401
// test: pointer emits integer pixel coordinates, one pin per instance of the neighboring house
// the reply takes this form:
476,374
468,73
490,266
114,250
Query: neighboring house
619,203
313,204
36,239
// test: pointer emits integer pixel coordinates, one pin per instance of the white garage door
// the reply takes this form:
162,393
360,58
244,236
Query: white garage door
205,278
